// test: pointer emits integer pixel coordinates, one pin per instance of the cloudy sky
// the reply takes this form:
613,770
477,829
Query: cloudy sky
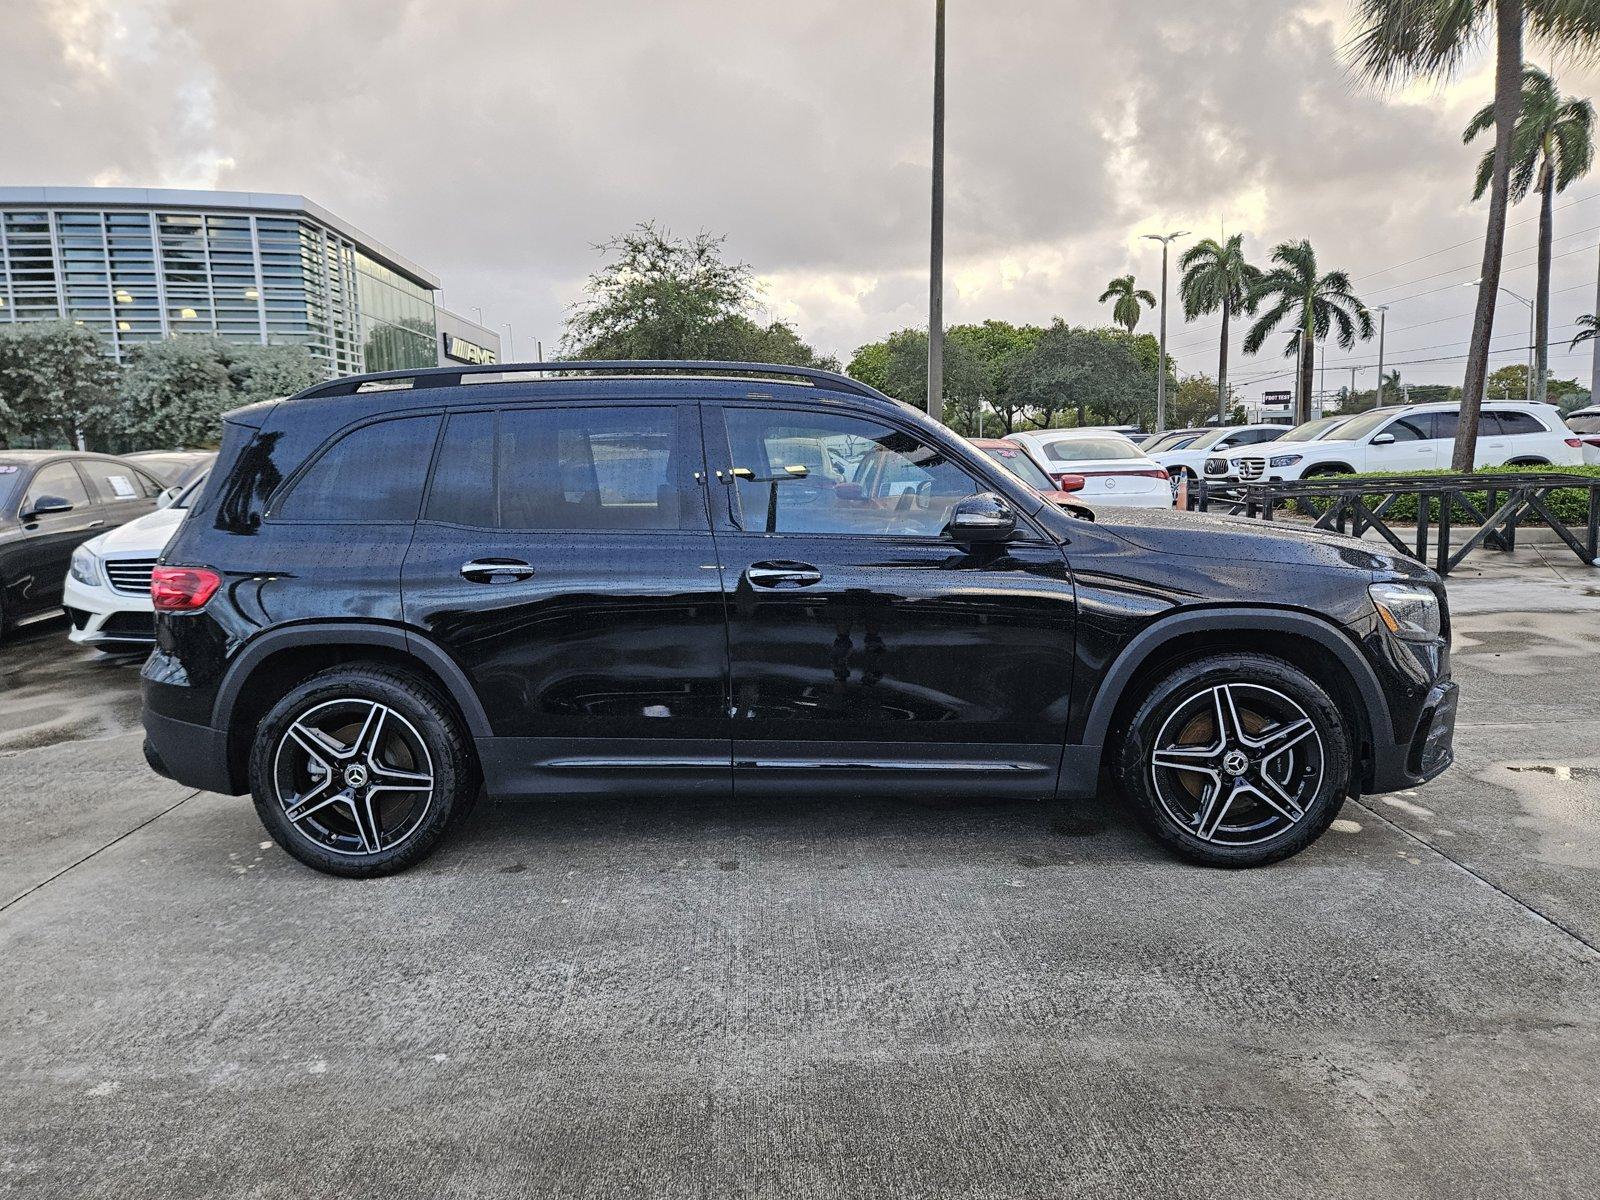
496,141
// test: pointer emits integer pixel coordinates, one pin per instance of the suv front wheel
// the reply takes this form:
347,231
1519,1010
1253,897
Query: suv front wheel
360,770
1236,760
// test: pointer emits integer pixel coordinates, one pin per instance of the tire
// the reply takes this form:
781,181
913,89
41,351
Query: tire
374,765
1251,798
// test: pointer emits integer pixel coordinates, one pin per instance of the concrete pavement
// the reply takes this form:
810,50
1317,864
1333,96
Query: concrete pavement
812,1000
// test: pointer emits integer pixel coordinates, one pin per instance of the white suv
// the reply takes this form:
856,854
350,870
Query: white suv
1402,440
1184,451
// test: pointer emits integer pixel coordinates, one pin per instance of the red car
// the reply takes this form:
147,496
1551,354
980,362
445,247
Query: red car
1016,460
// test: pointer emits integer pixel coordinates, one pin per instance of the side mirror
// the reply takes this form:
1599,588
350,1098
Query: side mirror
984,517
1223,446
45,505
1070,483
1383,439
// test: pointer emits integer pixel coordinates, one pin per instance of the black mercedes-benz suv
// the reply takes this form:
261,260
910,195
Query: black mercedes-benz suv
567,578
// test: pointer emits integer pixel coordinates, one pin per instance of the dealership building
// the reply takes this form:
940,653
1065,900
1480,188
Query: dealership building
137,265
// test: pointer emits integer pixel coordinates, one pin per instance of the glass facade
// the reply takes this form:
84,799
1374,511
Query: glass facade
263,277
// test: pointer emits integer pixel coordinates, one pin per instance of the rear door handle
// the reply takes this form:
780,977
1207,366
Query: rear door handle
782,575
496,570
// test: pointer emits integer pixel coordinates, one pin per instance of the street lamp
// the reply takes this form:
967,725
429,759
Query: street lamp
1532,333
1166,240
936,229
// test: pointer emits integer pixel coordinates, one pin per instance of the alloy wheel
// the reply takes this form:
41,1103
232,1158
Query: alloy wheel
1237,764
353,776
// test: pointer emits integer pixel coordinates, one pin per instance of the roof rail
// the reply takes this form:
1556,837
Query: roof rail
454,376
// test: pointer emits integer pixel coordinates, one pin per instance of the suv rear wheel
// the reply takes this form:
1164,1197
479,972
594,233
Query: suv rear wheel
1236,760
360,770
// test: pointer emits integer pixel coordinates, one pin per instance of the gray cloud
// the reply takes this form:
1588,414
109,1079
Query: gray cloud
497,141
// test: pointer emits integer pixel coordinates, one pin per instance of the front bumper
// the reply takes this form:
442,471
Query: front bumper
1429,751
102,616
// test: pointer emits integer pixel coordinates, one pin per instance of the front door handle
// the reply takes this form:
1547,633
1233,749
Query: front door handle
496,570
782,575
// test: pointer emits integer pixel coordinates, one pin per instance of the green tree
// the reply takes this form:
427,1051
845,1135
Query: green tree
1217,278
1587,329
899,365
270,372
1552,146
1309,303
1508,383
659,296
174,392
56,383
1197,401
1401,40
1097,375
1127,296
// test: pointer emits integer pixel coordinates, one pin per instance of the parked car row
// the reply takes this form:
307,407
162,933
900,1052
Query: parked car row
56,506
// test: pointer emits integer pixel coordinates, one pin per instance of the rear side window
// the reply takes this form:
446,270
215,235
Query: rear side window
578,468
1513,423
372,474
114,481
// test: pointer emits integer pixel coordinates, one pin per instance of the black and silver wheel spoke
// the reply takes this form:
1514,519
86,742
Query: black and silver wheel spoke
1236,764
353,776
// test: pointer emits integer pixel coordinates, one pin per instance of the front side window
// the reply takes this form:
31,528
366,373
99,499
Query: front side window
58,481
550,468
800,472
371,474
1015,459
1418,428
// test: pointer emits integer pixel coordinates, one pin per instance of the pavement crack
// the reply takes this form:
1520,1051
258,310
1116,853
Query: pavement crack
1481,878
20,896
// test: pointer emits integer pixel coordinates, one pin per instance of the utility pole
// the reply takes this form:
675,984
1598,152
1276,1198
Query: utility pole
936,240
1351,397
1594,370
1383,319
511,344
1166,240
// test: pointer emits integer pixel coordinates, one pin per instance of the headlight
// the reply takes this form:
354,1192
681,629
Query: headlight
1287,460
1408,611
85,566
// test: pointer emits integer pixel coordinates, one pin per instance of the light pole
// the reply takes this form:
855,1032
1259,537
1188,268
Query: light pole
936,232
1383,319
1532,330
1594,369
1166,240
511,344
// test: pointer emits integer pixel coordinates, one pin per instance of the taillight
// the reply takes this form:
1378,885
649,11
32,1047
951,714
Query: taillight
1575,443
182,589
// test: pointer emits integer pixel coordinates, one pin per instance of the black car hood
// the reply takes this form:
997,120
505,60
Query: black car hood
1243,539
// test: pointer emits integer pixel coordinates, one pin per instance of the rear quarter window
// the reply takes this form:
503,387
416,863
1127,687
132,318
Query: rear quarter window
372,474
1513,423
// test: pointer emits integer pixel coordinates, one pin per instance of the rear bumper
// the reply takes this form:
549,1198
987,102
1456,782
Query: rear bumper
193,755
1428,753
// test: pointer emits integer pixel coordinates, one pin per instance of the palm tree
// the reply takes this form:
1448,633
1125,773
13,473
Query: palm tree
1588,329
1401,40
1126,310
1217,277
1552,145
1311,305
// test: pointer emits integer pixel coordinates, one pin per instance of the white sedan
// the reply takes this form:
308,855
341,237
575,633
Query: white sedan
107,592
1114,470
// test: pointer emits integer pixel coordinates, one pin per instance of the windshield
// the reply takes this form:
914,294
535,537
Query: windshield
1016,460
1184,439
1083,449
1313,431
1359,427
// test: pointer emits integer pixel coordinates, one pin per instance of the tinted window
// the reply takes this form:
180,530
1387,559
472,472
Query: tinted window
58,480
588,468
1254,437
1016,460
1514,423
559,468
463,491
1589,424
830,473
374,473
115,482
1445,424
